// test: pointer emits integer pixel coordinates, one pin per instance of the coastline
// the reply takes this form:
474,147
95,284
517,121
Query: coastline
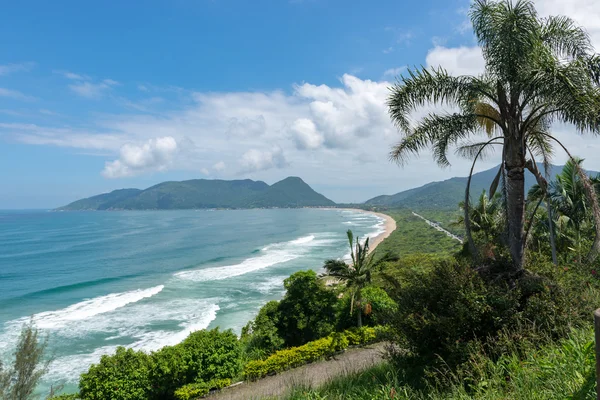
389,226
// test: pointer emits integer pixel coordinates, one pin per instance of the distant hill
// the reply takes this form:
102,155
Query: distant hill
447,194
204,193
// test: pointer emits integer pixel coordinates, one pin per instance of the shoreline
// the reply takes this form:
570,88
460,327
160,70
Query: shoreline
389,226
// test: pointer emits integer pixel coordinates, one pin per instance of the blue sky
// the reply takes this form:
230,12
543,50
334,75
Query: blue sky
96,96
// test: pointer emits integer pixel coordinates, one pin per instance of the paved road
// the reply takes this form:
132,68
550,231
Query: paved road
312,375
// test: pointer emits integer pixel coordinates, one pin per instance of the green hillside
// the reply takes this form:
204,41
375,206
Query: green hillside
446,195
204,193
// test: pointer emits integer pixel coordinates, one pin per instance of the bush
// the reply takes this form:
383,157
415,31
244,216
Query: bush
377,307
204,356
212,355
169,371
307,311
195,390
448,315
260,336
122,376
316,350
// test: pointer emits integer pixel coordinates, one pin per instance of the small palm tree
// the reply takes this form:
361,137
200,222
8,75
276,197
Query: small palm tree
568,201
358,274
538,70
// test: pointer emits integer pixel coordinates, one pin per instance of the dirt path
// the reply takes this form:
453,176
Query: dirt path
313,375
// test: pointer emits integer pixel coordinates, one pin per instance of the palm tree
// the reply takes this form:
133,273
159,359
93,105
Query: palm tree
567,198
358,274
537,71
486,218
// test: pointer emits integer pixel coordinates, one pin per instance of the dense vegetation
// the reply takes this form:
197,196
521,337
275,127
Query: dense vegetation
203,193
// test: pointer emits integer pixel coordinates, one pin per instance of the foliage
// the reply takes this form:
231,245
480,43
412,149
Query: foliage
378,306
260,336
572,221
199,389
307,311
536,71
122,376
19,382
309,352
204,356
558,371
449,313
413,235
357,275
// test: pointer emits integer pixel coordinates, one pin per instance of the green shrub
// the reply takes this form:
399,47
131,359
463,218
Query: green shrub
199,389
169,371
307,311
260,336
312,351
191,391
212,355
122,376
377,307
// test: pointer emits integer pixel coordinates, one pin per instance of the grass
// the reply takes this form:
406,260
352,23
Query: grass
565,370
413,233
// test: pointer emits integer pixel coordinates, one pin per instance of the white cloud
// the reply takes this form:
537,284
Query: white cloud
154,155
260,160
584,12
306,135
394,72
15,94
220,166
457,60
345,115
204,171
7,69
92,90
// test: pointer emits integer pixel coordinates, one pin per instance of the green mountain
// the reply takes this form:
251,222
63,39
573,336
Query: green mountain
446,195
204,193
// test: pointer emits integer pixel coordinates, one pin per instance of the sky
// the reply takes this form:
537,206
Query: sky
97,96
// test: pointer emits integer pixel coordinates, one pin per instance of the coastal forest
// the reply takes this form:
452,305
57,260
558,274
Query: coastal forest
504,312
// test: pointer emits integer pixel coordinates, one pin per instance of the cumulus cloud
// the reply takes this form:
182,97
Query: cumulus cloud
305,133
457,60
220,166
260,160
344,115
154,155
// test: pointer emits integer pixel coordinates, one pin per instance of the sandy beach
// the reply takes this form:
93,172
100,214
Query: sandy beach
389,226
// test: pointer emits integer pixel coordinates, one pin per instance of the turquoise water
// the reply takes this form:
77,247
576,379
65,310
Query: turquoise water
145,279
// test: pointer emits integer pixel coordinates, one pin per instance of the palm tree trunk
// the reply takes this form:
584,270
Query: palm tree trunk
359,309
515,200
551,228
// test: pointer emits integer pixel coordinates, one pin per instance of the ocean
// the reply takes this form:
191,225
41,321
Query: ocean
92,281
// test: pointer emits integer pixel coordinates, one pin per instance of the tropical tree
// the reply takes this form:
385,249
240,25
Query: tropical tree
568,202
358,274
537,71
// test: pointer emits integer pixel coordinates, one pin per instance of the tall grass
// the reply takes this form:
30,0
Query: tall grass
564,370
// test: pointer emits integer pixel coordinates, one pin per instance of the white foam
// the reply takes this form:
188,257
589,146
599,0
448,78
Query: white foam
271,285
273,254
135,326
88,308
302,240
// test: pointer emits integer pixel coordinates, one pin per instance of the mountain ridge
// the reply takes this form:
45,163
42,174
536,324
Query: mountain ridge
291,192
446,194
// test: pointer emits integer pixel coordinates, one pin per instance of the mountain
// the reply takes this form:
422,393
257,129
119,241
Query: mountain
204,193
447,194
